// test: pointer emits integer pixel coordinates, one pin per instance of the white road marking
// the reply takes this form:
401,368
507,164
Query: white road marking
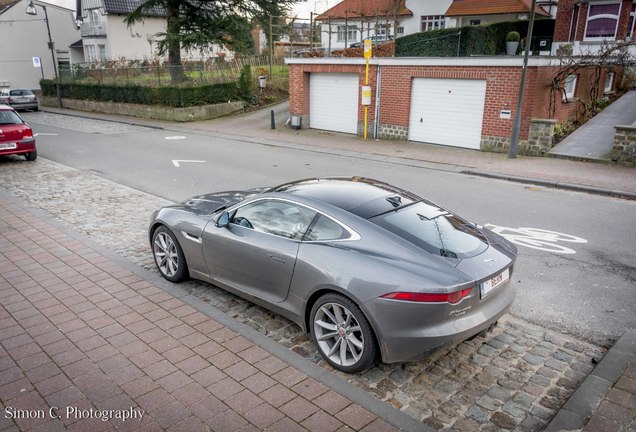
176,161
44,133
175,137
537,238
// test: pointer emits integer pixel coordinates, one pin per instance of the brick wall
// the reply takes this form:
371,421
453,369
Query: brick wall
502,89
566,12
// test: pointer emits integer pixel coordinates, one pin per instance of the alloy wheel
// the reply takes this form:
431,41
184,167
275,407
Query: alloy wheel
339,335
166,254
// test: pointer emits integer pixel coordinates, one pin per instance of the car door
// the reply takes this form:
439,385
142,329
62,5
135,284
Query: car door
256,252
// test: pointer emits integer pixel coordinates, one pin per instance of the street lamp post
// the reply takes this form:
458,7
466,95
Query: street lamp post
31,10
514,140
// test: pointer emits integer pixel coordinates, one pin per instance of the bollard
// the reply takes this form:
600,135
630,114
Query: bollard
272,119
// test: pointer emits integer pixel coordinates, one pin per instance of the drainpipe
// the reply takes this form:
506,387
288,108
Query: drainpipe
376,116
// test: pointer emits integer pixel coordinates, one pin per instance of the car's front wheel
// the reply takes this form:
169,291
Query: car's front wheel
343,334
168,255
31,156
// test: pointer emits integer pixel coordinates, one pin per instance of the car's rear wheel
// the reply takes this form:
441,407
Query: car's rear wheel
342,333
168,255
31,156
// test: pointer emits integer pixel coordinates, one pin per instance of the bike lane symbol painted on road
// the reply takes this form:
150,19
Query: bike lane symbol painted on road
537,238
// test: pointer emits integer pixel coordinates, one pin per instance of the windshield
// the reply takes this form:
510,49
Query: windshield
435,230
8,117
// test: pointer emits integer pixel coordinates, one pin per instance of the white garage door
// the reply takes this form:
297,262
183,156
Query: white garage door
333,102
447,111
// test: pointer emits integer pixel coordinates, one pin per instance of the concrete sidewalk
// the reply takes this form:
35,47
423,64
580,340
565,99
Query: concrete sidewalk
594,140
92,342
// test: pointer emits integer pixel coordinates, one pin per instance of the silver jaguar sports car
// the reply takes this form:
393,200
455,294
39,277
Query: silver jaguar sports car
372,271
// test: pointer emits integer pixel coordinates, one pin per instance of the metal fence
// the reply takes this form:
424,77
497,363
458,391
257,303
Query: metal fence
191,72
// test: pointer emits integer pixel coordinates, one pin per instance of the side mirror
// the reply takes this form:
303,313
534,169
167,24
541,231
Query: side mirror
223,220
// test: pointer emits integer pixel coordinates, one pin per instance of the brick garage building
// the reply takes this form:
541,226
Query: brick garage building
467,102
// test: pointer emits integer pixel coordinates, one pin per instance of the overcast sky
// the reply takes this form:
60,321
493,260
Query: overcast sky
68,4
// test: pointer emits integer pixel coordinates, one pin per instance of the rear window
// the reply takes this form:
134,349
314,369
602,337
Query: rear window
9,117
21,93
435,230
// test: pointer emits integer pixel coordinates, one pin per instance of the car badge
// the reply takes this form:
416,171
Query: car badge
487,260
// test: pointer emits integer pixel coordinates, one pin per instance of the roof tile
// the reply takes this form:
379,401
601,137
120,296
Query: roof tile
364,8
491,7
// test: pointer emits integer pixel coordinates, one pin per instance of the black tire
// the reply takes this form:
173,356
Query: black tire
360,351
168,255
31,156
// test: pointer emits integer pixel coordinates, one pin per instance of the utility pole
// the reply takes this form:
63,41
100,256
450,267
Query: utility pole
271,47
514,140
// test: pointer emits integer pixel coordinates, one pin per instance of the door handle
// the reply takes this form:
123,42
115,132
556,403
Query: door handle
277,259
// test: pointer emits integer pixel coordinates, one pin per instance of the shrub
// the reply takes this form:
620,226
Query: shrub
469,40
245,84
513,36
179,97
563,129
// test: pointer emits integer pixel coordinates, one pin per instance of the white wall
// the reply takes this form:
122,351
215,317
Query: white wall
29,36
411,24
422,8
131,42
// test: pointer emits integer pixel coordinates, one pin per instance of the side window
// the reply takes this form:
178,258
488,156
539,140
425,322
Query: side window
326,229
275,217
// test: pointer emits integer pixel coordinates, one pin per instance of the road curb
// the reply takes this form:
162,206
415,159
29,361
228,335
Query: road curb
554,184
576,412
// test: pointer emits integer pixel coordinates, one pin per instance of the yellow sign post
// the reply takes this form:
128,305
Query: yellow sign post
366,90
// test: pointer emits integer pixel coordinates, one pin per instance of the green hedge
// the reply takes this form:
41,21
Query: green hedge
473,40
178,97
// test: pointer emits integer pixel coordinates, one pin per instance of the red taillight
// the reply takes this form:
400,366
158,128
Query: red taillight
452,298
10,99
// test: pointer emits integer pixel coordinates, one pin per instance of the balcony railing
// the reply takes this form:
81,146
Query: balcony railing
93,29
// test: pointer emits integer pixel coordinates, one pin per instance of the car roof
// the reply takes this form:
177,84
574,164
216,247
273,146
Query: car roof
6,107
361,196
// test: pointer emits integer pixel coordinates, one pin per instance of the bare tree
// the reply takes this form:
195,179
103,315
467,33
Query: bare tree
611,57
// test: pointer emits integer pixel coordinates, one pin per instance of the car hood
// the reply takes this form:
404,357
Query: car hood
209,203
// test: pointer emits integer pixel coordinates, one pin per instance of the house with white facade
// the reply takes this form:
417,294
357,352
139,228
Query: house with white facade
351,21
105,35
24,37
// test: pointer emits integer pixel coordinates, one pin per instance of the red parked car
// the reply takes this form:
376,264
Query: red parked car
16,137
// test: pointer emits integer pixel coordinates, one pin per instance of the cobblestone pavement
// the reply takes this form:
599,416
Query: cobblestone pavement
81,125
515,378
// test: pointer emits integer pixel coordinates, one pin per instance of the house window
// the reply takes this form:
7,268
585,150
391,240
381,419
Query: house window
602,20
90,53
351,33
432,22
400,30
93,16
609,82
475,22
569,87
102,52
